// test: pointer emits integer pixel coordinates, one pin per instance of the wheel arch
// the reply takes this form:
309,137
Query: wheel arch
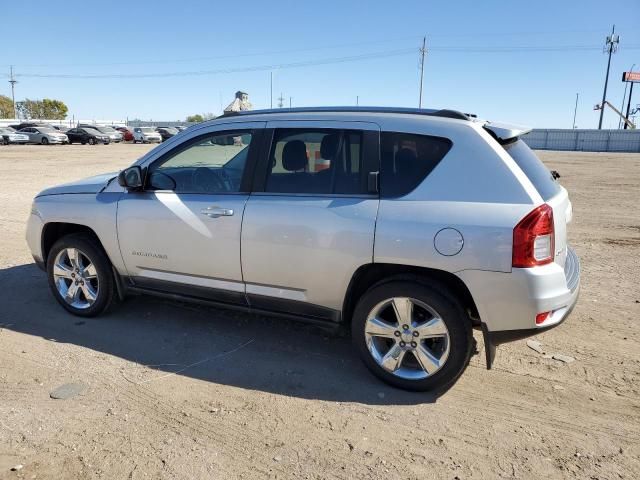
371,274
53,231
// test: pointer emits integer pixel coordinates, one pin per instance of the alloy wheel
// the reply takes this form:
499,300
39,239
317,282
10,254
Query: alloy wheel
76,278
407,338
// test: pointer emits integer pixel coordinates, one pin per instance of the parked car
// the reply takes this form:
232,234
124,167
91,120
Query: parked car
166,132
44,135
146,135
113,134
127,136
180,128
9,135
87,135
411,226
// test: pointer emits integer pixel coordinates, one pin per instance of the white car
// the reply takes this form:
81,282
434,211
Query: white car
44,135
146,135
9,135
411,227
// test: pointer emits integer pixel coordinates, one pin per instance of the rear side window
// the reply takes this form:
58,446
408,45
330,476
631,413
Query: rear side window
317,161
533,168
406,160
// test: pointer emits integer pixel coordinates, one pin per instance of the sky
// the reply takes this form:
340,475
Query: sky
521,62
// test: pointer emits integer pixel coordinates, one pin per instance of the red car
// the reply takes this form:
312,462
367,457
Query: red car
127,136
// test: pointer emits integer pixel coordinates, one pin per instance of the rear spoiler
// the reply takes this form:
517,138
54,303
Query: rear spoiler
505,132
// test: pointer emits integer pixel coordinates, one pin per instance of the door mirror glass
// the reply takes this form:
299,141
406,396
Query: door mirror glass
130,178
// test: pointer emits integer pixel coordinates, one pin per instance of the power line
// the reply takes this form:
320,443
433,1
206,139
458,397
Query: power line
304,63
448,36
326,61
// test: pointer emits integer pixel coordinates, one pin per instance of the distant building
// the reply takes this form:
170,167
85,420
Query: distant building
240,103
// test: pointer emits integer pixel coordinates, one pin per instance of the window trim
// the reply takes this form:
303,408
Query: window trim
247,174
370,155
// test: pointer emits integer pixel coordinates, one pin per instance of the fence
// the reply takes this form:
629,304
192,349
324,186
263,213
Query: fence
584,140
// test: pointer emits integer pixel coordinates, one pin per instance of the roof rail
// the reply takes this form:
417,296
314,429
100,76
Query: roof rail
412,111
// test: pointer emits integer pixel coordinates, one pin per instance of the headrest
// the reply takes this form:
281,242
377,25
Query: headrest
329,146
294,156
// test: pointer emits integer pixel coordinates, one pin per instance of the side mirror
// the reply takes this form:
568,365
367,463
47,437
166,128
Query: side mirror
130,178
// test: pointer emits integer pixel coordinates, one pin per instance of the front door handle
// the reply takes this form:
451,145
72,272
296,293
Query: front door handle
215,212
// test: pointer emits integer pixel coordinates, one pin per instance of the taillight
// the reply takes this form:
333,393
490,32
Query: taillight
541,317
533,238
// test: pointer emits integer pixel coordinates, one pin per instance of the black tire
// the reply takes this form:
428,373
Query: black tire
5,141
88,245
92,141
44,141
451,312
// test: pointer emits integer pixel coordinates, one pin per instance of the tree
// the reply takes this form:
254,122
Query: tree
197,118
54,109
43,109
6,107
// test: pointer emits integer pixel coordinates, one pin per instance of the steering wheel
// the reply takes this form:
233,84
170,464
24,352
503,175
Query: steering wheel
206,180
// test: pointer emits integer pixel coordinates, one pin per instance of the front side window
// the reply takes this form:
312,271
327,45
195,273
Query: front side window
316,161
214,163
406,159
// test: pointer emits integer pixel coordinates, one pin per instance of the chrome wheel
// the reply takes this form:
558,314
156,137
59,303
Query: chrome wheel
75,278
407,338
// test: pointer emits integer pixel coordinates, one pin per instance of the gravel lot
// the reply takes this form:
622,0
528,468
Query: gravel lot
180,391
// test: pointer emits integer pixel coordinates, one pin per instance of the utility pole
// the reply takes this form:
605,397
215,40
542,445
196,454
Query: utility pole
280,101
423,51
575,110
289,102
611,46
271,91
13,82
357,100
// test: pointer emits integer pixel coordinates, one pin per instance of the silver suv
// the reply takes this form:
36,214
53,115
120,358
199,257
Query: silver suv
410,226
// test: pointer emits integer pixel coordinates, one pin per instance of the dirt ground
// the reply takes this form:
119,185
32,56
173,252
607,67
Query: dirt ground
186,392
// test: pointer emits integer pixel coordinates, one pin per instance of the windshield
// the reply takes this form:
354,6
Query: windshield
106,129
47,130
533,168
170,130
147,130
92,131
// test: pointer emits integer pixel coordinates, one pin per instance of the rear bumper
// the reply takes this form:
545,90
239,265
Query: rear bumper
509,302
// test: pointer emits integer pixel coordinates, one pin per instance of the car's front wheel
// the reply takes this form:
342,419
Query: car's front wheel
412,335
92,141
80,276
44,141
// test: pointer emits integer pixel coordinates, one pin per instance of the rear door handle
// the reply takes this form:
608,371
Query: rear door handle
215,212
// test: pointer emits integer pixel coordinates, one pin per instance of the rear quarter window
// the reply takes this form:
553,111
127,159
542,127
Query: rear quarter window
538,174
407,159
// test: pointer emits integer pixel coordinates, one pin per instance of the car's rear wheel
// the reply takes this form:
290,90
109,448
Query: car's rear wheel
412,335
80,275
44,141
